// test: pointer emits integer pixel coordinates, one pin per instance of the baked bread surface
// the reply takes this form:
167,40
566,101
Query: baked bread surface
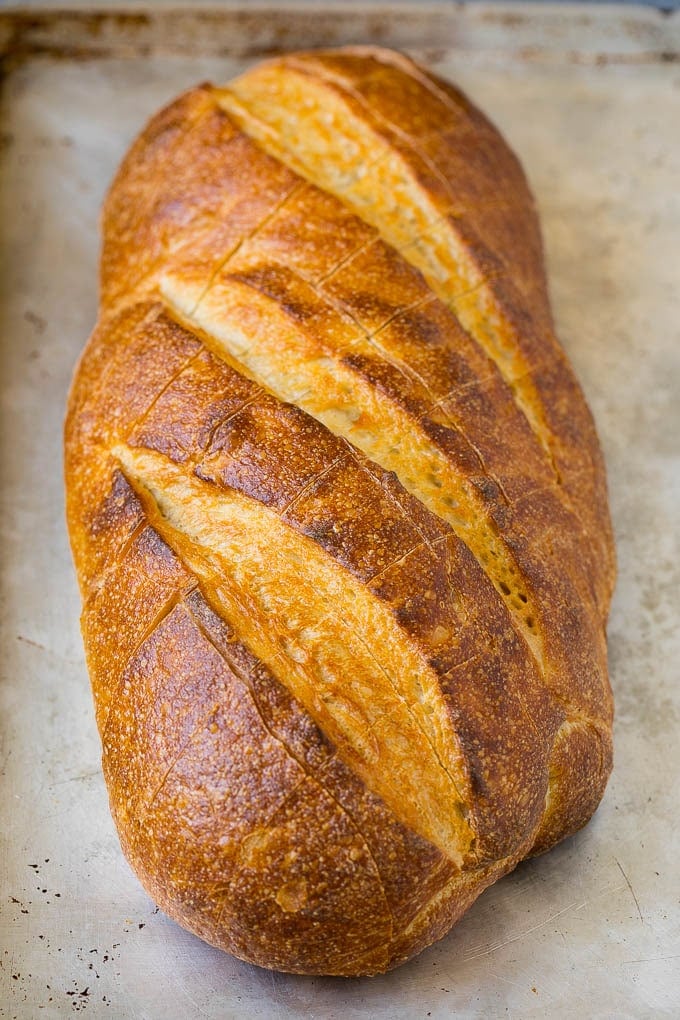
339,517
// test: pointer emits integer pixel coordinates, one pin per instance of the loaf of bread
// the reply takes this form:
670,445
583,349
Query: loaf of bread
339,517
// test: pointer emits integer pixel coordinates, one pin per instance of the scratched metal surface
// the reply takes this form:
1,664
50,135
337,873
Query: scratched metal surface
593,928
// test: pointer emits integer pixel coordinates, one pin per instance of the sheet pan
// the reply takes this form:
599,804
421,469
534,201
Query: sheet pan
590,98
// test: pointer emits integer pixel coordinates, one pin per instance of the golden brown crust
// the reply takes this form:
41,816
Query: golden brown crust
452,177
347,656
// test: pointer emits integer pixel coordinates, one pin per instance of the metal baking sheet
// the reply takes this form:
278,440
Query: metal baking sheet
590,98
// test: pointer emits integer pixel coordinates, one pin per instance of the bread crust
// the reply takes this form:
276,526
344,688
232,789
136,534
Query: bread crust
341,534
